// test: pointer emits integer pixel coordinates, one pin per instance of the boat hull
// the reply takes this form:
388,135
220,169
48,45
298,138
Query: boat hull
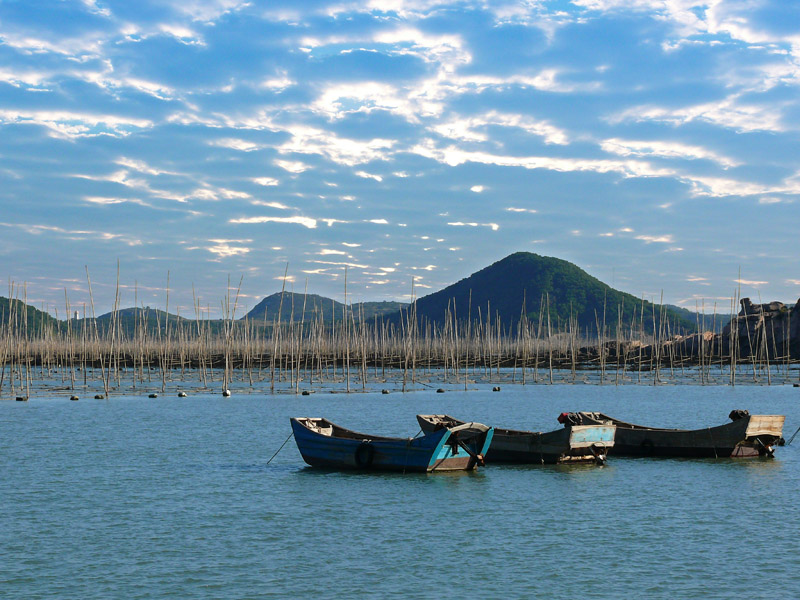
576,443
436,452
749,436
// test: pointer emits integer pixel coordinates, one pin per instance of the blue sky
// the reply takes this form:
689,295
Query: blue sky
653,143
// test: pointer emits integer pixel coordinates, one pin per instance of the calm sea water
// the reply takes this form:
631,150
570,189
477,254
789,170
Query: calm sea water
151,498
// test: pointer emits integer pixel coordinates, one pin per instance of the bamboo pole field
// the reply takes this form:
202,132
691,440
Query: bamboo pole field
299,354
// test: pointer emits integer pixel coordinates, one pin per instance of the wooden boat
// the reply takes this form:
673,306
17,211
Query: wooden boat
745,436
324,444
573,443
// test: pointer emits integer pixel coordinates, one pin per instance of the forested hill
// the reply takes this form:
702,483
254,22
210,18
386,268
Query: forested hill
524,282
19,313
315,306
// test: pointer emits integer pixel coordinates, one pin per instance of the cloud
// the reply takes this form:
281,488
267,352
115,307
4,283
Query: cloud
277,205
265,181
492,226
454,156
663,149
750,282
236,144
521,210
731,113
278,83
32,80
292,166
80,48
473,129
224,249
108,201
656,239
70,125
330,222
341,264
477,189
719,187
343,151
142,166
74,234
304,221
91,6
365,175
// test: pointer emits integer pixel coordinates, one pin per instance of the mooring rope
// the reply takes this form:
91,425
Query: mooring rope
281,448
794,436
712,442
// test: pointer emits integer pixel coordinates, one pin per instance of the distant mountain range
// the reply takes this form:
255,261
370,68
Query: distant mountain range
520,284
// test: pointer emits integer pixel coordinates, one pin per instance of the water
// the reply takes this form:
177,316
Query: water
141,498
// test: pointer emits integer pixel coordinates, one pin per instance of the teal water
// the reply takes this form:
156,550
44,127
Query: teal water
151,498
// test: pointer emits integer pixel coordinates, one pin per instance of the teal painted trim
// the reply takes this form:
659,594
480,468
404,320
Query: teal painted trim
435,458
599,434
488,442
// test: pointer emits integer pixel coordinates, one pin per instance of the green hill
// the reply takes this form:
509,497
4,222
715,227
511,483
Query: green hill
316,306
523,278
151,320
37,320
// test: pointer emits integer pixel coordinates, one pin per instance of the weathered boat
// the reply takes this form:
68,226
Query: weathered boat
325,444
745,436
573,443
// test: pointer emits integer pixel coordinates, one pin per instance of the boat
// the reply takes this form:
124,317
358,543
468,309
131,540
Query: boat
325,444
573,443
745,436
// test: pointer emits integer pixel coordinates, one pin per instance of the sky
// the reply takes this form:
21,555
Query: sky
193,143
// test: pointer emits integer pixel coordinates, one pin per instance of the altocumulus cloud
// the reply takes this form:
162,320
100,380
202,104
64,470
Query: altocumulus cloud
445,120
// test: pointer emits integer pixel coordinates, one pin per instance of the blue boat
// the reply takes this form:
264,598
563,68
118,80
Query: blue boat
325,444
574,443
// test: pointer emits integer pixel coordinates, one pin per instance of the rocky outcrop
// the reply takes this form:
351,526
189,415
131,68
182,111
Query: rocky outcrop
771,329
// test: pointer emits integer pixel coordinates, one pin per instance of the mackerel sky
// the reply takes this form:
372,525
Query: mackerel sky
653,143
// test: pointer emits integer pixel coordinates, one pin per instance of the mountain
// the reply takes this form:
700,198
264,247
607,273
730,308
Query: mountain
315,306
523,278
36,319
150,319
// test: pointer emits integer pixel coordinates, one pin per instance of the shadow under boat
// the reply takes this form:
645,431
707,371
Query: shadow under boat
745,436
325,444
575,443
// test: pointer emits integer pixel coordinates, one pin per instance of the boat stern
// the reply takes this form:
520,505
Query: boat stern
463,448
762,434
590,442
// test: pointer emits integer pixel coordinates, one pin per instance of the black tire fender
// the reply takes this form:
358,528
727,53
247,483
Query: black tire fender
364,454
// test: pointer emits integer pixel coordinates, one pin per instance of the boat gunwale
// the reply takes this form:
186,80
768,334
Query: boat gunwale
631,426
354,435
